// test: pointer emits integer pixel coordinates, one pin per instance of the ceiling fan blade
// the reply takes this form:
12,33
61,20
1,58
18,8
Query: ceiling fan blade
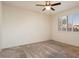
52,9
56,4
39,5
43,9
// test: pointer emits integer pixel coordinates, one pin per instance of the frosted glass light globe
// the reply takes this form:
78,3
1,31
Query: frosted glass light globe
47,7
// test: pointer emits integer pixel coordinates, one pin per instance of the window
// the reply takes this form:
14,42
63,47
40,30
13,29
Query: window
62,23
76,22
59,24
69,23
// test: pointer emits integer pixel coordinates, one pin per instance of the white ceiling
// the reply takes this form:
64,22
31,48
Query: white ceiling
30,5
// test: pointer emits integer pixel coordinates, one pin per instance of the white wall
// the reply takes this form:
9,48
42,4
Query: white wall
65,37
0,21
21,26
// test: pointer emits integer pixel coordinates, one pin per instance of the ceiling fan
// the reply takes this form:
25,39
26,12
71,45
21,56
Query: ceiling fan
48,5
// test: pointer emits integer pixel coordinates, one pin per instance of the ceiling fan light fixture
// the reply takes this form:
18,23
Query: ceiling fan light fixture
47,7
